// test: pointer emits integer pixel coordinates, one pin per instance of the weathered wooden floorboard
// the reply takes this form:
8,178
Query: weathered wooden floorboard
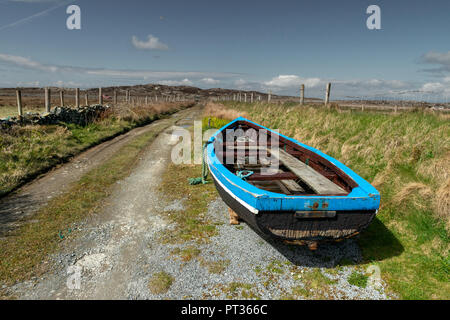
312,178
292,186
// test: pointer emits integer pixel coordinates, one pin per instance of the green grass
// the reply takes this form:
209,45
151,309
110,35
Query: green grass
407,158
160,282
358,279
275,266
187,254
23,253
213,122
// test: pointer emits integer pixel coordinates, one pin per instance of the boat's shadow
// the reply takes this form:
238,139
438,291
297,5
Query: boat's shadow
374,244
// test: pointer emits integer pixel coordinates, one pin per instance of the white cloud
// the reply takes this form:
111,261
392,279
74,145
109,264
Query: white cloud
184,82
152,43
28,63
432,86
291,81
437,88
66,84
242,84
210,81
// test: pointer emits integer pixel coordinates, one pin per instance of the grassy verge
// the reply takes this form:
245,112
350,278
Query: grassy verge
192,223
407,157
31,150
23,254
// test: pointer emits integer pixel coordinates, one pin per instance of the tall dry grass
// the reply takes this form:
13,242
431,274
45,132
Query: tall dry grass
218,110
137,113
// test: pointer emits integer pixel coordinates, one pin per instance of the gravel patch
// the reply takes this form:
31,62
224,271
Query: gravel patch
249,260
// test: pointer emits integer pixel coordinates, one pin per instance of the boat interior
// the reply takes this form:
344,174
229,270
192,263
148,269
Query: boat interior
273,163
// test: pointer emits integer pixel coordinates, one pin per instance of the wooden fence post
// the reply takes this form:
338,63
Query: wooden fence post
269,96
47,100
19,102
251,97
61,96
77,97
115,97
100,96
302,94
86,98
327,94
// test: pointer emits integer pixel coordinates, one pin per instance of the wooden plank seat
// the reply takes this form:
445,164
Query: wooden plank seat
308,175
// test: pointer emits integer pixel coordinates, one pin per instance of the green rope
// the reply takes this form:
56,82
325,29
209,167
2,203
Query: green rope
244,174
202,179
61,236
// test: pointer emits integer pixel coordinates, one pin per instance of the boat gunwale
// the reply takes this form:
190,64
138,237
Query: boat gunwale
358,182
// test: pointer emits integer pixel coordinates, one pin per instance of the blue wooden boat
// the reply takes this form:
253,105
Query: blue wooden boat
308,196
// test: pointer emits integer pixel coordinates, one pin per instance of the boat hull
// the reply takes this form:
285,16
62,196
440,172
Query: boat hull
283,225
320,211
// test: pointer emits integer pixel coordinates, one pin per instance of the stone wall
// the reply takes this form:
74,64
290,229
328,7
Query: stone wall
82,116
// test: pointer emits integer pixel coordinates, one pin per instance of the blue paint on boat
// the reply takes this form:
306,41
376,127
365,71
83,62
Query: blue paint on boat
362,197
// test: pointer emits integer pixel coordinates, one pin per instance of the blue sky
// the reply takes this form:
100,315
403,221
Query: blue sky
261,45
